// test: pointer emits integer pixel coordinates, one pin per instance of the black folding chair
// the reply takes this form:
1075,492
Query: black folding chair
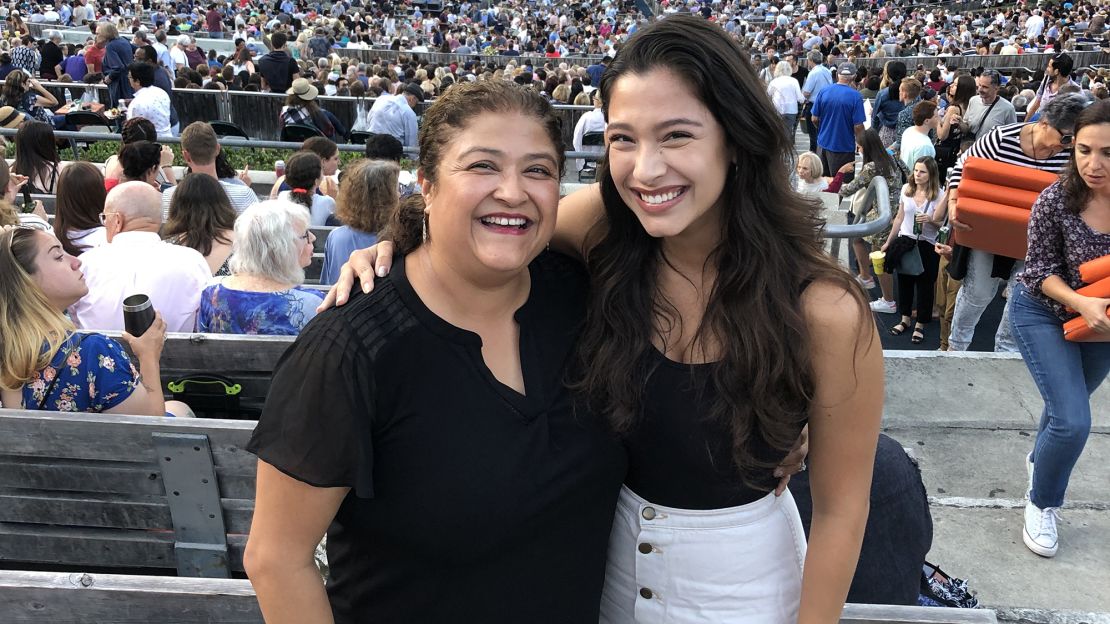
228,129
591,142
359,138
298,133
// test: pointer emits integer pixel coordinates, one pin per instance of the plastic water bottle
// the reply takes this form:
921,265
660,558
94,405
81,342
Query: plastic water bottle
69,97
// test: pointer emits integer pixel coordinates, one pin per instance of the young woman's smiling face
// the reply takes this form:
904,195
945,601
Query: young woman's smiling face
668,156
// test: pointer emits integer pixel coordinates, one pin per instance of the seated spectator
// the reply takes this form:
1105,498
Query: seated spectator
139,129
149,101
201,217
36,156
199,148
328,152
303,173
141,162
26,95
273,245
37,218
387,147
367,196
44,364
77,208
301,108
135,260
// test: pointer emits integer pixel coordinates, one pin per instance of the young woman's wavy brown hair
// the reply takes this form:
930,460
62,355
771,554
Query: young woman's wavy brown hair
200,214
1075,189
754,329
79,202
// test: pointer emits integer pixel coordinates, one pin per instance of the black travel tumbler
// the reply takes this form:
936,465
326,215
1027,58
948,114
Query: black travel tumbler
138,314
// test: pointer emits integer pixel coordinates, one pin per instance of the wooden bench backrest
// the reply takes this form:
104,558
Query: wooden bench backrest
94,598
117,491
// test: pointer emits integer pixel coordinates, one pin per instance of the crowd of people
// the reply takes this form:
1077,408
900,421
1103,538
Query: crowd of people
642,303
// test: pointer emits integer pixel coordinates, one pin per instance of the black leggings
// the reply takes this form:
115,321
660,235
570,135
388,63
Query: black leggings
924,285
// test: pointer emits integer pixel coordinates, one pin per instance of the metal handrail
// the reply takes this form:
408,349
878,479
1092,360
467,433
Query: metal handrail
877,192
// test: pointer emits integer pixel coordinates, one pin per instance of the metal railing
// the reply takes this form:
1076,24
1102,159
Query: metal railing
877,193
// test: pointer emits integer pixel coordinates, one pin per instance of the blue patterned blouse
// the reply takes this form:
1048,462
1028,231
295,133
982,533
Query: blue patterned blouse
225,310
95,376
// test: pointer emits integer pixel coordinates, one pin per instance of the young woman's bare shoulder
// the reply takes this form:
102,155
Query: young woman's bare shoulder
832,310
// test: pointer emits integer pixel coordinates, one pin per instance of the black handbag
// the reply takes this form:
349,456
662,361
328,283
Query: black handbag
212,396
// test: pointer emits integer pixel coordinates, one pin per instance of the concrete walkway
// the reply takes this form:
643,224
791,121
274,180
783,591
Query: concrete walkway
970,419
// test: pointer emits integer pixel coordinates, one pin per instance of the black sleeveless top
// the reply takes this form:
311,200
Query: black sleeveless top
678,454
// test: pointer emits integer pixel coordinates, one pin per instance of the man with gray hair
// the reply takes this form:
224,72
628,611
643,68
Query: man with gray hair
987,110
819,77
136,261
50,68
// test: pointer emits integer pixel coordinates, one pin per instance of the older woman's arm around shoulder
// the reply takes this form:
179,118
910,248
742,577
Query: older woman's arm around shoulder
844,429
290,517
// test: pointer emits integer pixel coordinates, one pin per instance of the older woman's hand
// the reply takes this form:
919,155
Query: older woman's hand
364,263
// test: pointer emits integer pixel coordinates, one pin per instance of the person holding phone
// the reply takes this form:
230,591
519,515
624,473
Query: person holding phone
31,213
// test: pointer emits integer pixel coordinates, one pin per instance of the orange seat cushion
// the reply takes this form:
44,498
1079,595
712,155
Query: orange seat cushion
1095,270
995,199
1076,330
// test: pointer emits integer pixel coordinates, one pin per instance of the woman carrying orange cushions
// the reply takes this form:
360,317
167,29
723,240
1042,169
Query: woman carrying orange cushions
1069,225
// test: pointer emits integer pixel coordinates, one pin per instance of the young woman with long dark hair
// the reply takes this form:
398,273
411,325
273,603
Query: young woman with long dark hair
201,217
78,206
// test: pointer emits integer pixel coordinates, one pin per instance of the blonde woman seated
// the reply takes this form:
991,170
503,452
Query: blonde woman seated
44,363
263,295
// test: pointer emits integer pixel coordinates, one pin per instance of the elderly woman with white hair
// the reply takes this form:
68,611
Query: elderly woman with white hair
263,294
786,95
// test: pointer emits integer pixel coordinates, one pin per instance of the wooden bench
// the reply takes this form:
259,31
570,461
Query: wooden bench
81,598
124,492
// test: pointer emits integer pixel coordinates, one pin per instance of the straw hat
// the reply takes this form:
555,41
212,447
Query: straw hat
11,118
301,88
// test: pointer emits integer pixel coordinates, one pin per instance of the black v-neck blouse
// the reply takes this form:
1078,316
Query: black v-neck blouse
469,501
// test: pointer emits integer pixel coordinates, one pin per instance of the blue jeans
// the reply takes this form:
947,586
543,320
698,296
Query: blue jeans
1066,373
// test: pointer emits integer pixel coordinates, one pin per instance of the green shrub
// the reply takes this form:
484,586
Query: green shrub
259,159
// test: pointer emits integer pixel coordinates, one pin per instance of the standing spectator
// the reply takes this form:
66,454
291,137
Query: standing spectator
118,55
78,206
888,103
318,46
1069,225
94,55
1057,75
1040,145
163,80
149,102
819,77
592,121
916,141
909,93
913,227
278,69
988,110
876,162
177,54
367,198
264,294
24,55
952,128
50,68
135,260
838,115
786,95
395,114
213,21
199,147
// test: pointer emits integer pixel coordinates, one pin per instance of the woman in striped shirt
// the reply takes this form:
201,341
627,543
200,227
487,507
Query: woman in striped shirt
1044,145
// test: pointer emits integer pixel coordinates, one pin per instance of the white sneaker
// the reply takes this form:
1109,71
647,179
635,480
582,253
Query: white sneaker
867,283
884,306
1039,532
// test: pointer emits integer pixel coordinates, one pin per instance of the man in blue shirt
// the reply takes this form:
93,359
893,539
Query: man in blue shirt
596,70
838,114
819,77
394,114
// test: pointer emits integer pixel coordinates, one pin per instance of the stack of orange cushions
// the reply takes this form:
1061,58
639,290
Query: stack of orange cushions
995,200
1096,274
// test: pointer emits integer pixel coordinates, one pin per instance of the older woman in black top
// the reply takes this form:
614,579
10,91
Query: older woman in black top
426,426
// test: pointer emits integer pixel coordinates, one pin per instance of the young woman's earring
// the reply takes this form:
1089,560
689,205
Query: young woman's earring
425,233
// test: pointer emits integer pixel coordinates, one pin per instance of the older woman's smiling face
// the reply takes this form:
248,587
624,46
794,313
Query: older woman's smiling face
492,207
